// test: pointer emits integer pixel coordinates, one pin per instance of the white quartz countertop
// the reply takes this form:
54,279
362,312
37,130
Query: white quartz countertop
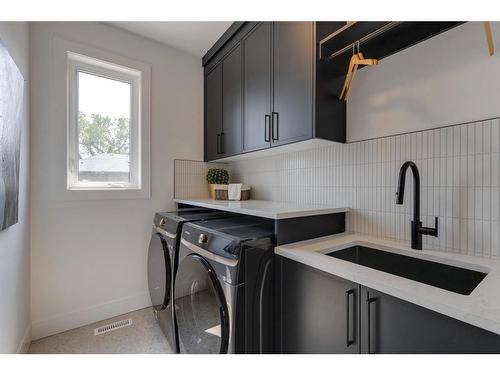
481,308
267,209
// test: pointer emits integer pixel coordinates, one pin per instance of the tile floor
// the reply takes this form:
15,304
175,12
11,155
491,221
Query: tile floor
143,336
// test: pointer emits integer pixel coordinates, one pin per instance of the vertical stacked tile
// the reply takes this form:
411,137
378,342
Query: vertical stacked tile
459,167
190,178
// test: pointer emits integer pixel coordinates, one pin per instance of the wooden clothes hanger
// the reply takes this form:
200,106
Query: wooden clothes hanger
351,70
489,38
357,60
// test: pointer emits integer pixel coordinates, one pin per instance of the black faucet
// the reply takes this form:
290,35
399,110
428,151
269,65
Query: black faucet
417,230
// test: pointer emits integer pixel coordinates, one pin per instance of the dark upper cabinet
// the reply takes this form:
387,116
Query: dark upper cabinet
213,112
278,84
391,325
223,107
257,80
288,83
278,98
318,312
293,59
230,139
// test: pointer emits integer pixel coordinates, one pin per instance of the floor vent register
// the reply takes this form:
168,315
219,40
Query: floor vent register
112,326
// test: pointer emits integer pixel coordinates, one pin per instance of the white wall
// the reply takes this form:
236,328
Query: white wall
89,257
445,80
14,241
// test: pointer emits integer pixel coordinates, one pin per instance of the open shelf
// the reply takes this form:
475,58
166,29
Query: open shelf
377,40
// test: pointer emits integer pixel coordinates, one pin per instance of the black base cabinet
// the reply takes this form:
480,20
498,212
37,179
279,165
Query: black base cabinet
393,326
321,313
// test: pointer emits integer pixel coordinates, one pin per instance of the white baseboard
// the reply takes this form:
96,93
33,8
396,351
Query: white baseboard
24,344
74,319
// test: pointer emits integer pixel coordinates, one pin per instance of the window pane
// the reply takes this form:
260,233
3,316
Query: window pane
103,129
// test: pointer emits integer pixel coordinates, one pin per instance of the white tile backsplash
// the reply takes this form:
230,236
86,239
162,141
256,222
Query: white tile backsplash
459,170
190,178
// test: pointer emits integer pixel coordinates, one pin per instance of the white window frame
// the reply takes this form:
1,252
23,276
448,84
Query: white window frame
80,63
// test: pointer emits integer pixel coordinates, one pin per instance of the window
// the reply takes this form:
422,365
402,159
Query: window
104,126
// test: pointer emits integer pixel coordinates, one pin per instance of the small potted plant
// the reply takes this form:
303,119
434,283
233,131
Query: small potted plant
215,177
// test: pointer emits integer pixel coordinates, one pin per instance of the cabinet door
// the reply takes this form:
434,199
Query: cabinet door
391,325
231,103
213,113
293,59
318,312
257,87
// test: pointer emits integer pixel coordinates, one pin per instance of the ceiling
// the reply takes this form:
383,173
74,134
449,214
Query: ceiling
194,38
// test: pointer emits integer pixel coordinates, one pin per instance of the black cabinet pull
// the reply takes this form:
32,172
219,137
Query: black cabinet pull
369,328
218,144
267,129
275,125
222,143
349,341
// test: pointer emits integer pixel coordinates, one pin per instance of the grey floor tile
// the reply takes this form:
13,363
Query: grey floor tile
143,336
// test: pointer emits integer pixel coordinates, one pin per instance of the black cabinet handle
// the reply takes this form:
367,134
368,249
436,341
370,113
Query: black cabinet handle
267,129
349,341
368,311
275,125
218,144
222,143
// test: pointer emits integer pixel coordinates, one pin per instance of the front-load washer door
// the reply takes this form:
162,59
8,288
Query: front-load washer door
159,282
159,273
200,308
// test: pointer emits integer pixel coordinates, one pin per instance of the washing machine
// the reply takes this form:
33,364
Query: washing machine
163,260
223,293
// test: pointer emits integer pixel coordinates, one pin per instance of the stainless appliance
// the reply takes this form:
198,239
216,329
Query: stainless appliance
162,262
223,289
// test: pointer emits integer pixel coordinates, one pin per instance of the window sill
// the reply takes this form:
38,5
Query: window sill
102,194
103,188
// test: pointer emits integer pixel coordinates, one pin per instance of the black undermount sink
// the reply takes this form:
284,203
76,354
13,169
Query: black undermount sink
444,276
